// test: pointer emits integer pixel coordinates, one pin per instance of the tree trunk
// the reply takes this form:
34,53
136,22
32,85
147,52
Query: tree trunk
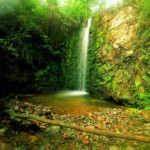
94,131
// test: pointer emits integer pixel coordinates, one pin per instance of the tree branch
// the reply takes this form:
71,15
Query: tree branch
94,131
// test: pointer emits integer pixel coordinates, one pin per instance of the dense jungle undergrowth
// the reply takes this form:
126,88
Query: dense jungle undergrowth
39,49
39,54
35,40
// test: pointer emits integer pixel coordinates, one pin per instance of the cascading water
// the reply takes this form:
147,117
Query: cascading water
82,67
83,57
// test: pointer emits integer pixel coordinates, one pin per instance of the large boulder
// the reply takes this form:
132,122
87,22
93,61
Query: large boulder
117,56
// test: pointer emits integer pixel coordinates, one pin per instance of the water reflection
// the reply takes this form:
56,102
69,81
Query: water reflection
71,93
72,102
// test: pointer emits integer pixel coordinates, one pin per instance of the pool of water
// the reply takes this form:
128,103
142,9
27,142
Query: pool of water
72,102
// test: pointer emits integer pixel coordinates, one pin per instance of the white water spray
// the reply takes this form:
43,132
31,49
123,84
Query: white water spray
83,57
82,68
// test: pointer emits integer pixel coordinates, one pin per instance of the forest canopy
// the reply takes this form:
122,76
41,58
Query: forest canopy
25,22
37,33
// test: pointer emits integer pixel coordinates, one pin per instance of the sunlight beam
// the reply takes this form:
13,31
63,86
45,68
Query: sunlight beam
62,2
110,3
43,2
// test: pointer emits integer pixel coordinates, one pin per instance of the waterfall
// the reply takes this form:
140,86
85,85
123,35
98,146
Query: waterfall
83,57
82,65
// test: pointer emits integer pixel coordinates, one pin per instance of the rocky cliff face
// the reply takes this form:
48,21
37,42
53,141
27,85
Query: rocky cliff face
118,56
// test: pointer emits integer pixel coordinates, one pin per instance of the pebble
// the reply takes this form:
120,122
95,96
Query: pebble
115,120
55,129
16,108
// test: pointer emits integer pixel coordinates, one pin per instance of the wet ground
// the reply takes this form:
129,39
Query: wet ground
81,110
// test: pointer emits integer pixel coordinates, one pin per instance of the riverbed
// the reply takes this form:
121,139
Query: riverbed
81,110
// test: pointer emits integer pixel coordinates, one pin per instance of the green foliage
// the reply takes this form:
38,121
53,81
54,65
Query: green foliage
38,31
144,102
147,108
69,63
143,37
137,81
39,34
144,5
127,79
41,75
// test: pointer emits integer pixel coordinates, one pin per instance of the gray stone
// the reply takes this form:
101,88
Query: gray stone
55,129
113,147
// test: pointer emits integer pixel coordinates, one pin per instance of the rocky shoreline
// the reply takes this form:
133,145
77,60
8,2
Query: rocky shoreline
39,134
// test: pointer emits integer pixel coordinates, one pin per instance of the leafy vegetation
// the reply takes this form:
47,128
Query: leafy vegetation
27,27
143,37
38,33
39,42
112,72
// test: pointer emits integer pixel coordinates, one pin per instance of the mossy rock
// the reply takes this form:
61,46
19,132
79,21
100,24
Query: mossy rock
133,111
126,95
137,81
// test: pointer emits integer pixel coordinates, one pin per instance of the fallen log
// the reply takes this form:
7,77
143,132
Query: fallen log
94,131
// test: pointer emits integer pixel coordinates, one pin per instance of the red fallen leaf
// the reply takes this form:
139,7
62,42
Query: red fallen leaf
26,103
86,142
35,112
79,133
65,137
98,126
113,129
132,122
123,116
31,111
71,144
59,148
105,122
63,116
42,124
127,129
78,123
139,115
120,125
